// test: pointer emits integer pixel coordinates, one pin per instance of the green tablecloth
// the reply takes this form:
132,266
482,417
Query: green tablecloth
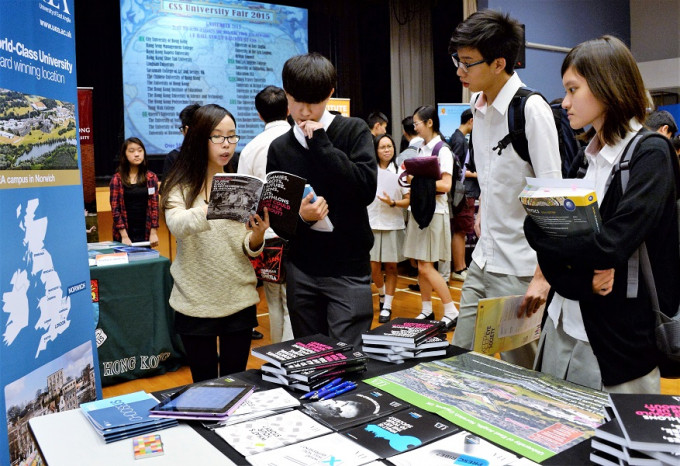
135,335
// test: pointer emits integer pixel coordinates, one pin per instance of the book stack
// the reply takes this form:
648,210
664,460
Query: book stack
136,253
401,339
308,363
124,416
644,429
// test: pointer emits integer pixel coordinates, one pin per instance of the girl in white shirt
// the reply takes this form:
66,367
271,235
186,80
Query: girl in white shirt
387,224
432,243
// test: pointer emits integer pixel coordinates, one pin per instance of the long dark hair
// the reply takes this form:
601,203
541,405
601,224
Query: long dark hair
376,143
124,164
192,163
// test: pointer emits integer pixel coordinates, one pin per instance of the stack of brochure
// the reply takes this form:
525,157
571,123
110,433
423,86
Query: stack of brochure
642,429
308,363
401,339
124,416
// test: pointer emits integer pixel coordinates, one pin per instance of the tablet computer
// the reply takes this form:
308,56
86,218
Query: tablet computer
203,401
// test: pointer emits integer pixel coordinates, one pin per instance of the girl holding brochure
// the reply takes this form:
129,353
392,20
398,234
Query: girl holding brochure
433,242
387,224
214,294
600,326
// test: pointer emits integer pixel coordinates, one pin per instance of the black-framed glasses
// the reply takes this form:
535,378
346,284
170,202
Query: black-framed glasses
233,139
464,66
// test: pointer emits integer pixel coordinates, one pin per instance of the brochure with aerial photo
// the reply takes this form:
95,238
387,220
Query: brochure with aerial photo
527,412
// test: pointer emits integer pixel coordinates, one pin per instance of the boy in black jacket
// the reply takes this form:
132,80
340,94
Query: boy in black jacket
328,272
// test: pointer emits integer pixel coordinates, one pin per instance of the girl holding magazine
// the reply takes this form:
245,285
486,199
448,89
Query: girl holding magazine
214,294
600,331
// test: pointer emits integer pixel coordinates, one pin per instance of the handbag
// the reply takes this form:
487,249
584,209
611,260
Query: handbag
270,264
425,167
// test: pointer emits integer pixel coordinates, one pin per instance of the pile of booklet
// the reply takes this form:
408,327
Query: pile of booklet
124,416
642,429
401,339
308,363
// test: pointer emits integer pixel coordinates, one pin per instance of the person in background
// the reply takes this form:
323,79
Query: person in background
484,49
329,272
414,141
185,117
430,241
214,293
662,122
377,122
676,144
134,197
387,224
272,108
463,222
600,333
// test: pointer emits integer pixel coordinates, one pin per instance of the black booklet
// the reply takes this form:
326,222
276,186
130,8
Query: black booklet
235,196
354,408
291,352
407,333
401,431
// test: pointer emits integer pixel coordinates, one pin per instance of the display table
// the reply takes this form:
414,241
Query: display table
51,436
135,336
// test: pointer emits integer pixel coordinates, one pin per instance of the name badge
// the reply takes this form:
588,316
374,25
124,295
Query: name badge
152,191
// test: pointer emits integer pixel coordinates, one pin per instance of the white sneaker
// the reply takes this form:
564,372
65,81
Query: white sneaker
459,276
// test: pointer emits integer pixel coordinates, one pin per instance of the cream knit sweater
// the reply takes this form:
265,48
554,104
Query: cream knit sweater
212,274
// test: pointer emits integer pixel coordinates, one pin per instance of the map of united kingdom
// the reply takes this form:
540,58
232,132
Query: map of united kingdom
39,272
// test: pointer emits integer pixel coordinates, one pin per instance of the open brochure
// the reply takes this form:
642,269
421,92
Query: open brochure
499,329
562,207
320,225
236,196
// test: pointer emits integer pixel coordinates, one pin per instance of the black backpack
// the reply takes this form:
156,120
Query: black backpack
568,144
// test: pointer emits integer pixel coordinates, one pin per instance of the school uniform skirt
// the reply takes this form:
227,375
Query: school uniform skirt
388,246
430,244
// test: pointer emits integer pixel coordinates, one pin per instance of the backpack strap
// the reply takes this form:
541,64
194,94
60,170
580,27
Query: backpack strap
437,147
516,124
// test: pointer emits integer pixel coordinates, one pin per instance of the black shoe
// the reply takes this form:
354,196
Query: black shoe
256,335
414,287
385,318
450,324
426,317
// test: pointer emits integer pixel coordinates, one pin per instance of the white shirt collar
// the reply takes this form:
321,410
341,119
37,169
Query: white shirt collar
502,100
326,120
276,123
612,153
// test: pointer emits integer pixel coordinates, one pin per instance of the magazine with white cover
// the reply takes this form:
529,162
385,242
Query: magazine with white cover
329,449
460,448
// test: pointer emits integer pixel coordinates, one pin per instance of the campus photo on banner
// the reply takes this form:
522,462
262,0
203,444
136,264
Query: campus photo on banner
211,51
48,360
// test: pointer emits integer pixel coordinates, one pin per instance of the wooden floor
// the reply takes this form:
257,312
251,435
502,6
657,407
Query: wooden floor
406,304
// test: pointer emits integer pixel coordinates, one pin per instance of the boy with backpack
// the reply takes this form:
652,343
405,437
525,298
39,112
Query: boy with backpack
484,48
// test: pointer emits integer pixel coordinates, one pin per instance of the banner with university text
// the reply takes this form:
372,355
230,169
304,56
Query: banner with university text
48,359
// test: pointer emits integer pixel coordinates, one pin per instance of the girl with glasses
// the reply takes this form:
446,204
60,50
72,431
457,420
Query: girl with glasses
429,242
214,292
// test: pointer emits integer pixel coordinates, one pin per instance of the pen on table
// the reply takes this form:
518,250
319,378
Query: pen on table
335,393
326,391
333,383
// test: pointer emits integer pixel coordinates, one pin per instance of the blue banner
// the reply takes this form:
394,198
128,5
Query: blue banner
48,358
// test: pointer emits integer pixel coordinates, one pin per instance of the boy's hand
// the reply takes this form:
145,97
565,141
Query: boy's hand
603,282
312,212
309,126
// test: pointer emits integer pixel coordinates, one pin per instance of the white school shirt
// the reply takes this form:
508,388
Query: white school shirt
502,247
445,166
380,215
600,165
253,159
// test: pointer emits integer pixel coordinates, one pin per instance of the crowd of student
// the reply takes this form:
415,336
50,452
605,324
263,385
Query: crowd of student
597,332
